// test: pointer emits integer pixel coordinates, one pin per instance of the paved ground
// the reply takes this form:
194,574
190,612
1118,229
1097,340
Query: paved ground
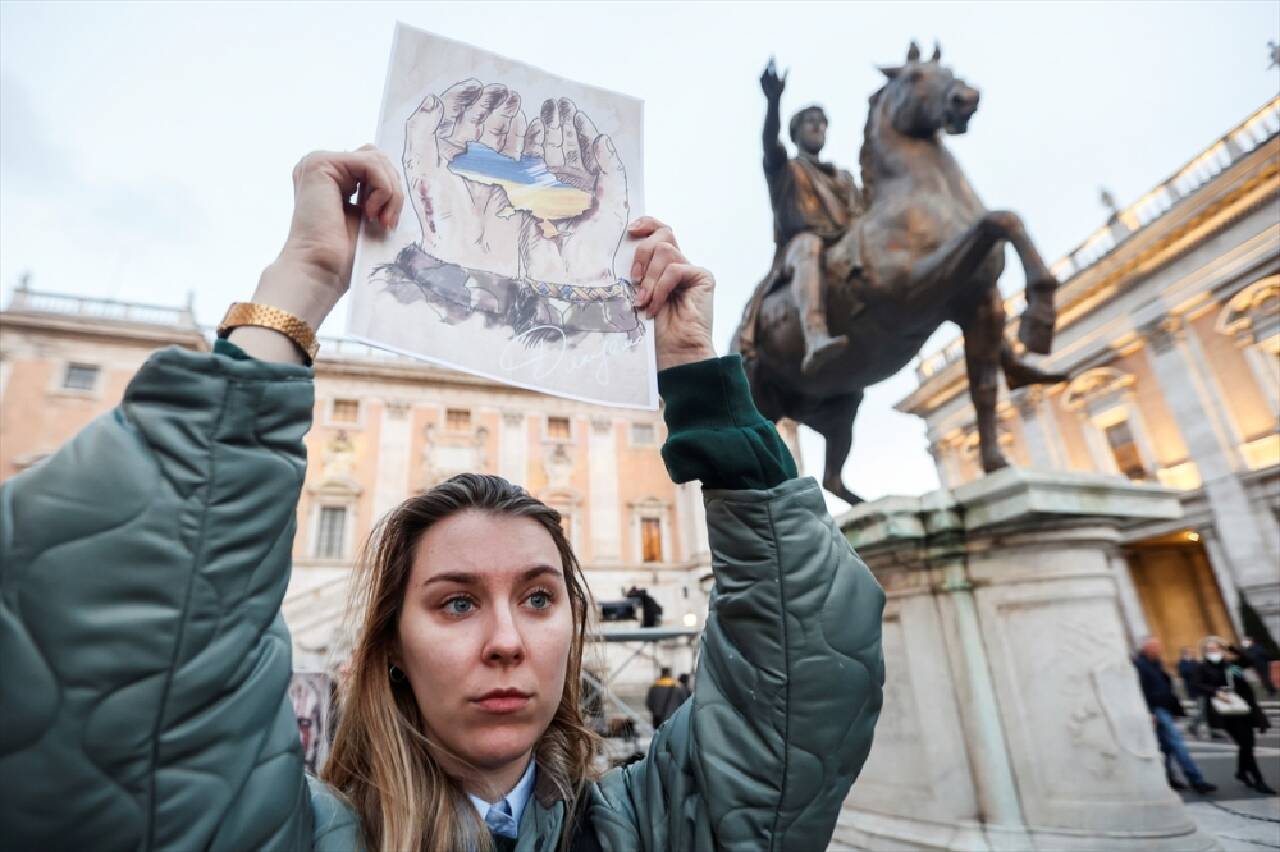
1241,818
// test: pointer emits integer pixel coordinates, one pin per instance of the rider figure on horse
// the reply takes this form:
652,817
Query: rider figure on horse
814,205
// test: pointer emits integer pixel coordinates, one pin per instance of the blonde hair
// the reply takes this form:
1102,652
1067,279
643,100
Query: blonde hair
383,761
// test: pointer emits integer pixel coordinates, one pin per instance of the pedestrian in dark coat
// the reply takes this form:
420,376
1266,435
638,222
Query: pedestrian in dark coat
664,698
1164,706
1187,665
1218,676
1257,658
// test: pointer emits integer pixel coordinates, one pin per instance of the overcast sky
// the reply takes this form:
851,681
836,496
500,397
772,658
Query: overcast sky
145,149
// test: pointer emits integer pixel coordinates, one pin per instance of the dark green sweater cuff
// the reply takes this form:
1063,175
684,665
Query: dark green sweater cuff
226,347
714,432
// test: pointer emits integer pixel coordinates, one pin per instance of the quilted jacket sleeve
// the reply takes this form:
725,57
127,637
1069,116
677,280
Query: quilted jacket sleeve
146,664
787,694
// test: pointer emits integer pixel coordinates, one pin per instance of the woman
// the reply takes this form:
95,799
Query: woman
1218,675
146,663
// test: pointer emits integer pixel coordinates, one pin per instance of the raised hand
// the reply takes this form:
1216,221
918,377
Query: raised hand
677,295
321,244
313,268
464,222
577,251
773,84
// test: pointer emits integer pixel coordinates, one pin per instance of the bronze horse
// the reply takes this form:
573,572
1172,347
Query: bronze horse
925,251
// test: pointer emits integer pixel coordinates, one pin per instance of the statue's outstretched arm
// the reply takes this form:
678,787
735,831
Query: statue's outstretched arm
775,154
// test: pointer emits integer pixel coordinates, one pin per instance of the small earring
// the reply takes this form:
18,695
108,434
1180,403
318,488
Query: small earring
395,673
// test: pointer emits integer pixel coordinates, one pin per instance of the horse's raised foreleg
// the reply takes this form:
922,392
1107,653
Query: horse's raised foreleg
983,338
1035,327
1019,374
834,422
957,261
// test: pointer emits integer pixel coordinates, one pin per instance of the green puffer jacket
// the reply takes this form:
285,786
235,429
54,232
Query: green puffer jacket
146,664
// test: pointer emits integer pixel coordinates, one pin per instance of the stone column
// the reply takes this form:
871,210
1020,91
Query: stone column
1221,566
693,523
602,468
1027,403
1130,605
391,482
513,448
938,451
1012,718
1210,441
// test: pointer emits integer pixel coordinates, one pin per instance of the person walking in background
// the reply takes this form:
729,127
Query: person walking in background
1187,665
1232,707
1257,658
665,697
683,678
1163,704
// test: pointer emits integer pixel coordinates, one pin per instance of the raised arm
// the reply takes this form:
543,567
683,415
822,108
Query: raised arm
141,573
775,154
790,675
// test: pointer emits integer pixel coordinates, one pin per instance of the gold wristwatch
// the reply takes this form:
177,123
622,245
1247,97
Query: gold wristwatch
250,313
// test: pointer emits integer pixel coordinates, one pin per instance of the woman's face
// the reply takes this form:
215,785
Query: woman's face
485,632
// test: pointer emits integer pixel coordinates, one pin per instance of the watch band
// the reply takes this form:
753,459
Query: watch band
265,316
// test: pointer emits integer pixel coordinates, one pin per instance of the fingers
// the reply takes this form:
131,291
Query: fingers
566,112
599,157
455,101
421,151
673,277
384,192
514,146
471,123
611,179
646,225
652,259
366,173
553,138
585,135
496,126
534,138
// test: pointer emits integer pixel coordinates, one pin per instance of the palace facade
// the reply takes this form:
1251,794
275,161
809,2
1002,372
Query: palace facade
1169,328
385,427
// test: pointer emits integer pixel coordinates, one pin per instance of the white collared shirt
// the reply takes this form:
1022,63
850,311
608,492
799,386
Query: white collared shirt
516,799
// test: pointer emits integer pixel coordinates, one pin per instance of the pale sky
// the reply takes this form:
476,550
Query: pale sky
146,148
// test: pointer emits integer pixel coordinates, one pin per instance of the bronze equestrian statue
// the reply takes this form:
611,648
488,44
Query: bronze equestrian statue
916,248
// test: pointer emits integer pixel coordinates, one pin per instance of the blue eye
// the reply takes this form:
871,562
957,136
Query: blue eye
459,606
540,600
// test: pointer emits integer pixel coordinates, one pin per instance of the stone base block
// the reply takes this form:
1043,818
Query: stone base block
1012,716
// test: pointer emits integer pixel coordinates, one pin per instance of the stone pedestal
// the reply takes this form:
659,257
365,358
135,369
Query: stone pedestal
1012,716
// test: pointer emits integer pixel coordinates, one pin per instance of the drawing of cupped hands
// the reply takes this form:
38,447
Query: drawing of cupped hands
542,200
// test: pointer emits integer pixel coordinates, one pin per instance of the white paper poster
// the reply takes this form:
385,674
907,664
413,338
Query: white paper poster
510,260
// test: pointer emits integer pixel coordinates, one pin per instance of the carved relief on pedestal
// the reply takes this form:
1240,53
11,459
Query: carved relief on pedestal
1069,668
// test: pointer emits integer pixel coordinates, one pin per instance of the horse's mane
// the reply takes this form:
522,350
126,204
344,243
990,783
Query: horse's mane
864,154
